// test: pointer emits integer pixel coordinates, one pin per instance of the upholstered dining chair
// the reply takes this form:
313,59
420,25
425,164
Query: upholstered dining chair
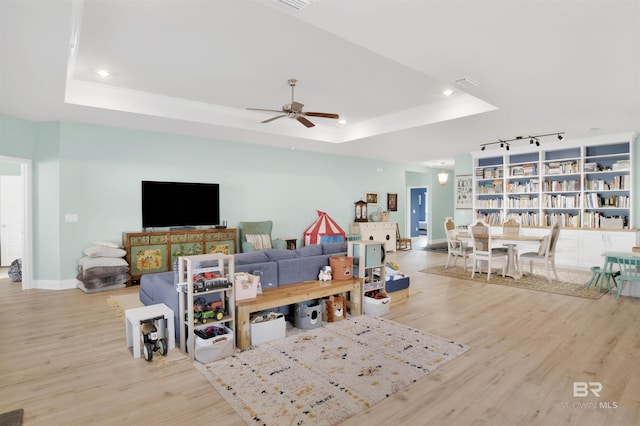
257,236
482,250
455,247
546,253
512,228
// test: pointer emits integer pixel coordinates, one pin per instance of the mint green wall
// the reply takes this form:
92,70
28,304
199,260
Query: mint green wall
439,200
95,172
47,232
16,137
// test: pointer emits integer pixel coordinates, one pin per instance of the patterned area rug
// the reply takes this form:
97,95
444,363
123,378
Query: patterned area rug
326,375
570,283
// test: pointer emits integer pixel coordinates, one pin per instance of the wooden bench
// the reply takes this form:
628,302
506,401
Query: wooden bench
290,294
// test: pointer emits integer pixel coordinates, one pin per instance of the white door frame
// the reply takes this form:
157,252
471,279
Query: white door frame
27,241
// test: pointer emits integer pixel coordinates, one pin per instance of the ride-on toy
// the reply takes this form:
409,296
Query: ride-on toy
151,336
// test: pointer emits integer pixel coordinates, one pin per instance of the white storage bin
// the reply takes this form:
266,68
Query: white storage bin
270,329
376,307
215,348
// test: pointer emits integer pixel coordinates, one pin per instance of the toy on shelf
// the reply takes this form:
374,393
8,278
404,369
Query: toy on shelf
202,311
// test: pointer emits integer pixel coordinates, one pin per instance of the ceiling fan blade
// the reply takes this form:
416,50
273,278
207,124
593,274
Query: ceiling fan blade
269,120
262,109
322,114
304,121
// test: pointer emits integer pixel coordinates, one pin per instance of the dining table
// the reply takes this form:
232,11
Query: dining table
510,241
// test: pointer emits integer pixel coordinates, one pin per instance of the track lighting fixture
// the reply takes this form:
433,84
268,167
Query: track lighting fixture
533,140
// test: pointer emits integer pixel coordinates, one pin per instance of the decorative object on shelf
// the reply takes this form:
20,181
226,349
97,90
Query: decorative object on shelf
379,216
361,211
464,196
392,202
533,140
443,177
371,197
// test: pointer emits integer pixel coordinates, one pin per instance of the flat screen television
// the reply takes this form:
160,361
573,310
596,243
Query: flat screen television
180,204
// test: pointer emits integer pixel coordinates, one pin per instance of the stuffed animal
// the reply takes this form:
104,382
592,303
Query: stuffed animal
325,273
334,309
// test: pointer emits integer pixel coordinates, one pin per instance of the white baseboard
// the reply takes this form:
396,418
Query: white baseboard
55,284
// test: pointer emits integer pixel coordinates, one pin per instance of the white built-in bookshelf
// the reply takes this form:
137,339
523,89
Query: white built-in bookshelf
581,185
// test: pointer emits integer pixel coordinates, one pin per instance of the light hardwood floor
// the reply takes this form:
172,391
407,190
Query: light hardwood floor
63,359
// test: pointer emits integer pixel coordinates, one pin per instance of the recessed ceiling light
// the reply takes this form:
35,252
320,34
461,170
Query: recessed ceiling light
448,92
103,73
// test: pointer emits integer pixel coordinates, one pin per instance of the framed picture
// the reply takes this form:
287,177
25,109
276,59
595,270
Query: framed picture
464,191
371,197
392,202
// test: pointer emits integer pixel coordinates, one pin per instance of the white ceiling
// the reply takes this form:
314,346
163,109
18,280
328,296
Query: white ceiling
193,67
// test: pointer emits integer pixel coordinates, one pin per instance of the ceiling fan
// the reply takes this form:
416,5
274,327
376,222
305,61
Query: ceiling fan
294,110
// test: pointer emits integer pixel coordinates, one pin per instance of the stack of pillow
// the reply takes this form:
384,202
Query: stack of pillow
103,267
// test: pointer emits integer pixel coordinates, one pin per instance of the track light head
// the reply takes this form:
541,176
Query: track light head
483,148
560,137
507,147
501,144
531,141
537,142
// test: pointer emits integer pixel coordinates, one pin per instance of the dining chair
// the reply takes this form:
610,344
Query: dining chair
512,228
546,253
402,243
482,250
455,247
629,271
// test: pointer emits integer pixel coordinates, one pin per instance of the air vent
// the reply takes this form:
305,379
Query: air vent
466,82
295,4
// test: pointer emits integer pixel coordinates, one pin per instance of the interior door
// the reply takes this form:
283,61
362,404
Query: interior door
418,202
11,218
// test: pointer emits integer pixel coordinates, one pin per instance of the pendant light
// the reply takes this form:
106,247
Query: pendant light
443,176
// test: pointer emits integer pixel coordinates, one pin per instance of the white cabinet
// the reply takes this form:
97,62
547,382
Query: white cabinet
199,276
384,232
593,243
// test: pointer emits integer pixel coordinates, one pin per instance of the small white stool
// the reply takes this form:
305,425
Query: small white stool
133,317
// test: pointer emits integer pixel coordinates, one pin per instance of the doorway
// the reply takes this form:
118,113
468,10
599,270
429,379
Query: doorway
15,215
418,203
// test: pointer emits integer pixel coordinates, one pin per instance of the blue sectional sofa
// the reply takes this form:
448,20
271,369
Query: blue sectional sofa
276,267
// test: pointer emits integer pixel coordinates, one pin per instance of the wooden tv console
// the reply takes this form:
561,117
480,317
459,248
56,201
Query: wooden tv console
290,294
151,252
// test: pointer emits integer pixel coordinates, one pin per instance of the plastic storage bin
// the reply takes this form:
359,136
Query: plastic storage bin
376,307
218,346
266,327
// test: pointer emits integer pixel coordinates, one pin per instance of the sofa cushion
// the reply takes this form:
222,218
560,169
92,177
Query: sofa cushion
259,241
250,257
332,248
267,271
300,269
280,254
310,250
